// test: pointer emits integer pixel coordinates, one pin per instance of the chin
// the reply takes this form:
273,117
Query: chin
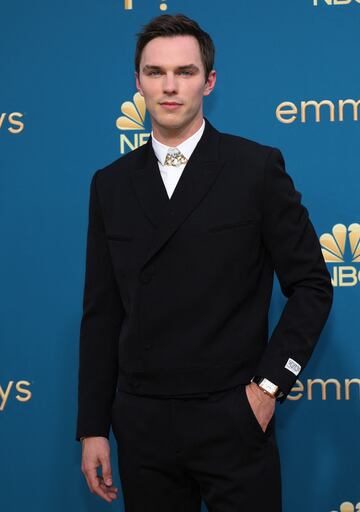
170,122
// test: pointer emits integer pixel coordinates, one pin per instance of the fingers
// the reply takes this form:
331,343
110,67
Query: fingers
106,470
106,480
97,486
96,453
111,491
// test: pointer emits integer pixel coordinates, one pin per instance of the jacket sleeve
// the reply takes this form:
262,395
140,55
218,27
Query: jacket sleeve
295,251
99,330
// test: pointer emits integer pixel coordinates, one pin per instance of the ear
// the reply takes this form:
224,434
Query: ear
138,85
210,83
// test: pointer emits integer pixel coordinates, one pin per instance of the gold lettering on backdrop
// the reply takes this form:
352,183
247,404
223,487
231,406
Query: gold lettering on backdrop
339,390
287,108
298,388
13,120
335,2
138,140
317,105
333,249
348,383
125,140
2,119
324,385
345,276
355,105
23,394
128,5
143,138
287,111
4,395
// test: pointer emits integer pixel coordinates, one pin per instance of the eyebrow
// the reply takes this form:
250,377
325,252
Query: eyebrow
149,67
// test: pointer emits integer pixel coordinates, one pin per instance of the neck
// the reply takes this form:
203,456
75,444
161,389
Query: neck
174,136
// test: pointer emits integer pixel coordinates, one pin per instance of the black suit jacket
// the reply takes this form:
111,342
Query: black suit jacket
177,291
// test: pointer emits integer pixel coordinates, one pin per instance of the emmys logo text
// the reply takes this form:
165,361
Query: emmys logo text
11,122
325,110
335,2
325,389
17,390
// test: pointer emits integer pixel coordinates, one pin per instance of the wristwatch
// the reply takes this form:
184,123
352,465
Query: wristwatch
268,387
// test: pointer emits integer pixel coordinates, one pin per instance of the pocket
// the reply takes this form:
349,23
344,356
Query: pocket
251,415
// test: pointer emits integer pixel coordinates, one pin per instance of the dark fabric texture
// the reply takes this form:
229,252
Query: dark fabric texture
175,452
177,291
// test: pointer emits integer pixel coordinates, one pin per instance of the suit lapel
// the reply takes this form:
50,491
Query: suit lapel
167,214
149,187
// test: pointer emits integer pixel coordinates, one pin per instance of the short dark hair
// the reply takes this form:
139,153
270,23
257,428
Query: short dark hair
167,25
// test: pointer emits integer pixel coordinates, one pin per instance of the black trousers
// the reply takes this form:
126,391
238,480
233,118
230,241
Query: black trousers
175,452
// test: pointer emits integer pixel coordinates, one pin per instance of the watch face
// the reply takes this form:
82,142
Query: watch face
269,386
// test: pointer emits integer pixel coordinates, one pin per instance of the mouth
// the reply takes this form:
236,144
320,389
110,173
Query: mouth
170,105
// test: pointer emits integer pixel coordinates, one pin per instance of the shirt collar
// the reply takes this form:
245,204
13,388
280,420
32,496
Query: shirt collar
186,147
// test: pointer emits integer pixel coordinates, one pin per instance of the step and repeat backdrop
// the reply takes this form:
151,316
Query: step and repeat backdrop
288,76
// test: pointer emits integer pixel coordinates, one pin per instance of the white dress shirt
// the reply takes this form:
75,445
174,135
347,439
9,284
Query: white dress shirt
171,174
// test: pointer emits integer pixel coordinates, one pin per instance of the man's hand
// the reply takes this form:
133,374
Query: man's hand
262,404
96,452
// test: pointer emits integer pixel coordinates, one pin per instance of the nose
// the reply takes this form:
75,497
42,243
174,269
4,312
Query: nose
169,83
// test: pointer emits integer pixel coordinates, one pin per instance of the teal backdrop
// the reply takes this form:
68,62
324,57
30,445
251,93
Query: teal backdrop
288,76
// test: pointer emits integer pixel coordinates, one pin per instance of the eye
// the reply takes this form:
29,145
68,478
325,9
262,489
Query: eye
186,73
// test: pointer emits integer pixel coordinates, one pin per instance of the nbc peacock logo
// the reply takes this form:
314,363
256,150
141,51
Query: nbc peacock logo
342,245
133,122
348,507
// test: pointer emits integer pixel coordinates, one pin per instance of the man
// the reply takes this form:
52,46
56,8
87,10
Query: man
184,236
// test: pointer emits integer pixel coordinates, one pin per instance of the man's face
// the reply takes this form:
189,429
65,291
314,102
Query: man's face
172,80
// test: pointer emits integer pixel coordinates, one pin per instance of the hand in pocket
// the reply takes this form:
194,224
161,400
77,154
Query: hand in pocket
262,405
